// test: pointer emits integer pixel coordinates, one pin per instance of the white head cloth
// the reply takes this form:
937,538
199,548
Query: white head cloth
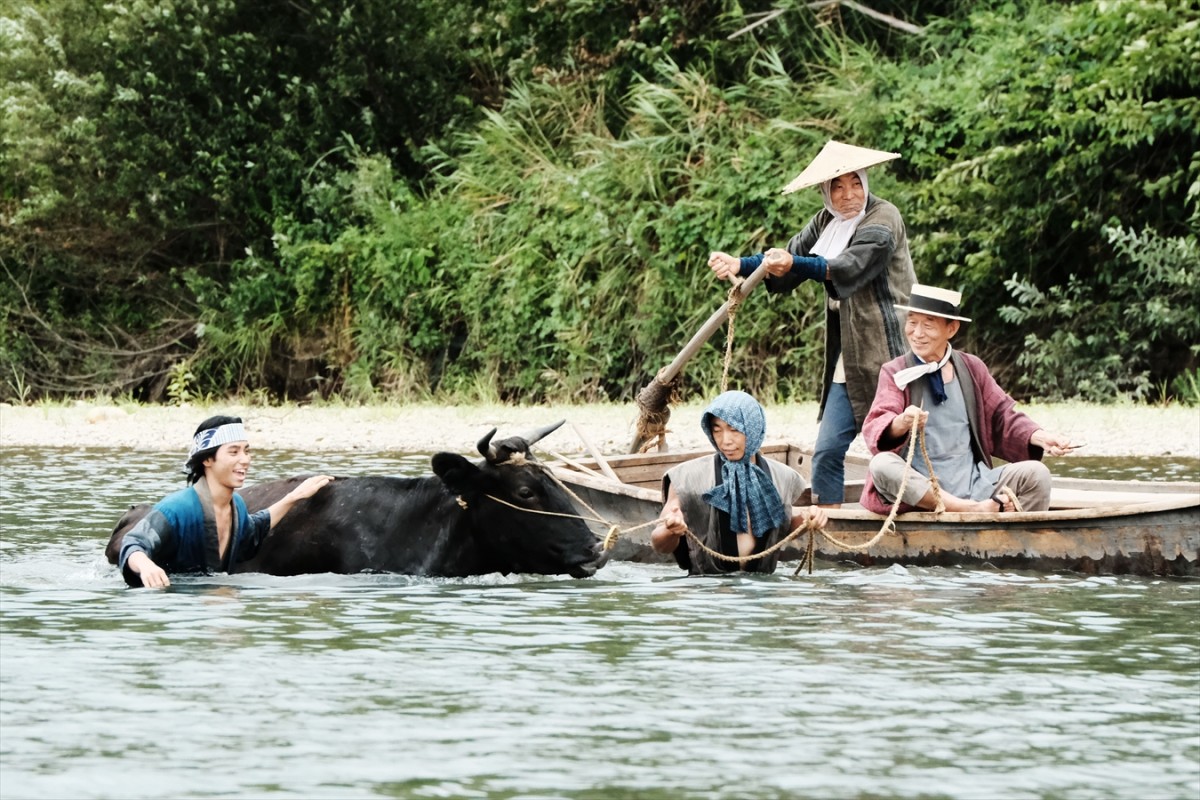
909,374
836,236
215,437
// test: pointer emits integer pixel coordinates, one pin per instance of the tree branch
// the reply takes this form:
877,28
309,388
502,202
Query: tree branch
887,19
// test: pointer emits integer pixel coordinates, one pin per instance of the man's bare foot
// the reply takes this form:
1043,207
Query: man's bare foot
990,506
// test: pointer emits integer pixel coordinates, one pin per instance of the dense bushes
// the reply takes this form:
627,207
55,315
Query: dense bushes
1132,332
149,147
1025,138
479,201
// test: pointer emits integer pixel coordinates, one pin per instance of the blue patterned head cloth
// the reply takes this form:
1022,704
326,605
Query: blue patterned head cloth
746,490
213,438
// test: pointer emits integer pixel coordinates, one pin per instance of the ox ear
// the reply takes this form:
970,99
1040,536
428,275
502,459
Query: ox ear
455,471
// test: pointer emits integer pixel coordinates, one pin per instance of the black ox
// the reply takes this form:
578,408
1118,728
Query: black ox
469,518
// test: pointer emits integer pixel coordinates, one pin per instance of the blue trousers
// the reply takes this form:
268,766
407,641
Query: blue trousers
834,436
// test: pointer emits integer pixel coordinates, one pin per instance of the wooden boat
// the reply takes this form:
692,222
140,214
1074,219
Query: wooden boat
1093,526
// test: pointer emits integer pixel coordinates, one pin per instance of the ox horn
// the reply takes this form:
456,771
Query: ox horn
501,451
535,436
485,446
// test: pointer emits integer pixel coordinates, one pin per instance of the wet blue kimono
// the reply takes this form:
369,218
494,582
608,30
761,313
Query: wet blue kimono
180,534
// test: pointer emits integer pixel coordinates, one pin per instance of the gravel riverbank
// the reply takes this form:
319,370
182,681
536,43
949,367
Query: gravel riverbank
1116,430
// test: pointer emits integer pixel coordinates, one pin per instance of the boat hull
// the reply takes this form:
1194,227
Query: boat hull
1147,541
1093,527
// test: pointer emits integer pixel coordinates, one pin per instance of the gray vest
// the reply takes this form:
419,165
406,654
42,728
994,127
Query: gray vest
962,375
691,480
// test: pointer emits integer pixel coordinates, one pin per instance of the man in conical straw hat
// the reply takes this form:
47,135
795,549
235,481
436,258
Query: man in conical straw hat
967,420
857,248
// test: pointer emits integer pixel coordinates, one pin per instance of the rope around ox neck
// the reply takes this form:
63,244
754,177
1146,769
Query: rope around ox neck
610,538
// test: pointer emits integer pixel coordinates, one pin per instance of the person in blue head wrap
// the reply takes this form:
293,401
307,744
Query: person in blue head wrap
205,527
737,502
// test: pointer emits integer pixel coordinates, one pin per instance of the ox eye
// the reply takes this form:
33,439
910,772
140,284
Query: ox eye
526,493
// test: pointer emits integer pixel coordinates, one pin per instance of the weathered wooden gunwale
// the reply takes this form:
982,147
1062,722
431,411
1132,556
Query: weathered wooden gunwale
1093,526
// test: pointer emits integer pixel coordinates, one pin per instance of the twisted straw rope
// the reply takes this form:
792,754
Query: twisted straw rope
807,525
889,523
735,301
916,438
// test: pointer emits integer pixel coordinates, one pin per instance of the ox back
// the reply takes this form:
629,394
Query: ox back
371,524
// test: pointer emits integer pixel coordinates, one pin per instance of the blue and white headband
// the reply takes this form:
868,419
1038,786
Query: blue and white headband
215,437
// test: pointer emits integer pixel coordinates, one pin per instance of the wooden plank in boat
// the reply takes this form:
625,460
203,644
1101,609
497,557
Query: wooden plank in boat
1083,498
1143,487
646,469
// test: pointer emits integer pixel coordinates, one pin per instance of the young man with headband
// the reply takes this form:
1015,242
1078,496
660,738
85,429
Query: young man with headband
205,527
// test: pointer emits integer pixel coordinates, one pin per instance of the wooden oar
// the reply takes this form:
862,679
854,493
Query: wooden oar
570,462
654,398
596,454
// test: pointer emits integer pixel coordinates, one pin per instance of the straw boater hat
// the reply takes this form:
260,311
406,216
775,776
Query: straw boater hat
935,302
836,159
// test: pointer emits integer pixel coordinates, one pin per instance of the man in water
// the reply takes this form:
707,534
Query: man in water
205,527
737,502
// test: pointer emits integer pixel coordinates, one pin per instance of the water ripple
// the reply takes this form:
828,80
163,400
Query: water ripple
896,683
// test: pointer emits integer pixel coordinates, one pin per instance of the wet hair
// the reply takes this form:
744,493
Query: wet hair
194,467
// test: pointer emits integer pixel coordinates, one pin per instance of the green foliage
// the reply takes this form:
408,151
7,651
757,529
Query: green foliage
1186,388
607,44
1024,133
1134,331
145,146
179,384
367,287
595,248
212,112
18,389
514,201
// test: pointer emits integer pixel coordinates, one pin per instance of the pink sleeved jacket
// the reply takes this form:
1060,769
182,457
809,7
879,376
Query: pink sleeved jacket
997,428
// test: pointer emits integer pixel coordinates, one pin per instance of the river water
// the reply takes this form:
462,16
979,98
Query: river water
638,683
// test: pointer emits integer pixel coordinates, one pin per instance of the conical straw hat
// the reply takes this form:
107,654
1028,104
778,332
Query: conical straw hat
836,159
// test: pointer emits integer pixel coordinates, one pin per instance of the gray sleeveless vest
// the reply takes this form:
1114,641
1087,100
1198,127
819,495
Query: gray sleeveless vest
691,480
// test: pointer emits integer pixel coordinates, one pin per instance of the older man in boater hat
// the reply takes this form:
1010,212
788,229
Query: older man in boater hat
967,419
206,526
857,249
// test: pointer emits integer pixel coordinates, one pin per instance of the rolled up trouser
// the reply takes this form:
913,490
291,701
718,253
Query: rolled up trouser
1029,481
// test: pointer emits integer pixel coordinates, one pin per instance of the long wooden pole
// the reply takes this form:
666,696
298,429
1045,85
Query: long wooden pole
710,327
605,467
653,398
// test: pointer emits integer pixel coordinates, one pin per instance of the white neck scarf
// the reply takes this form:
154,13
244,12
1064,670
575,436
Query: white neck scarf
909,374
836,236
